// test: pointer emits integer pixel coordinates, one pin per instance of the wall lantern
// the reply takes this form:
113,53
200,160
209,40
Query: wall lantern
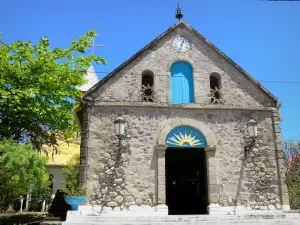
120,127
252,128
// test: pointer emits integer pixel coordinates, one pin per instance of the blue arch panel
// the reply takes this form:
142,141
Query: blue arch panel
185,137
182,83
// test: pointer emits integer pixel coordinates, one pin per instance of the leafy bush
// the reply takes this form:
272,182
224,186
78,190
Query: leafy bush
291,151
73,187
294,192
21,169
293,183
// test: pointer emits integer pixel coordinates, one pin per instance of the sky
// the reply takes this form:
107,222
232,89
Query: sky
263,37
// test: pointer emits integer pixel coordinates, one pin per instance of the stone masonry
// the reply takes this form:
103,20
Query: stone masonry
133,176
132,182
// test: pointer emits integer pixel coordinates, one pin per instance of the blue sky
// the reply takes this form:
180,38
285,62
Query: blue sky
261,36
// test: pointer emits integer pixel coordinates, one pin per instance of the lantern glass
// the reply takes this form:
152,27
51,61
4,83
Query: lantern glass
251,131
119,126
252,128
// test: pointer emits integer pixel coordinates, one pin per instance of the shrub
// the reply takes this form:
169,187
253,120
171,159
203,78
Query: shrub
292,179
73,187
21,169
291,150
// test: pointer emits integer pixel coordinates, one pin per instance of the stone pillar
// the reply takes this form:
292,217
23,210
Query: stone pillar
281,168
213,185
161,175
161,207
84,145
212,179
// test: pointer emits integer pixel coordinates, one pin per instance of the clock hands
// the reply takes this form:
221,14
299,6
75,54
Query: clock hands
181,44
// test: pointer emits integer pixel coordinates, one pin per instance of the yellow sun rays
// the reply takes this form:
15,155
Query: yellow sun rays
180,137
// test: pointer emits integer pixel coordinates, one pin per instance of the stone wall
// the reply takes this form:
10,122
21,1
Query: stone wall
237,90
129,178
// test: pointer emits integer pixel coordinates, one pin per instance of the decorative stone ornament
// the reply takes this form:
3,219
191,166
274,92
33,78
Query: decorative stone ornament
119,127
252,128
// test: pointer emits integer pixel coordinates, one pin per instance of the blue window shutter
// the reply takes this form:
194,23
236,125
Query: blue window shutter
182,83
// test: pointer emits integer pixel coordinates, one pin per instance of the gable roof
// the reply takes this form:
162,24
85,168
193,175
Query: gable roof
180,23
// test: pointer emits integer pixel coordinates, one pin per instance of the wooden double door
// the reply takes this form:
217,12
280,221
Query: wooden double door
186,181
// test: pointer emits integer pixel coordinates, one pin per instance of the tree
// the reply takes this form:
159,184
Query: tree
291,151
21,169
38,89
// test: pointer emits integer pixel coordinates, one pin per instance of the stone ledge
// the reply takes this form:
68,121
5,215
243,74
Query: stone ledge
180,106
210,148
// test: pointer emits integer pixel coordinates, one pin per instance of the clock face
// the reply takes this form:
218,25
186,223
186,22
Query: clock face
181,44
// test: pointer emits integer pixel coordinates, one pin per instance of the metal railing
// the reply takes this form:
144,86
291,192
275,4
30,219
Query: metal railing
45,204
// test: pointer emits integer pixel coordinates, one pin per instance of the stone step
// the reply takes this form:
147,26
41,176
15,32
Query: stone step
232,222
51,218
187,218
51,223
261,219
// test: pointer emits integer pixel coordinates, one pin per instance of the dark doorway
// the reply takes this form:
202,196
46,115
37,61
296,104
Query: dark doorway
186,181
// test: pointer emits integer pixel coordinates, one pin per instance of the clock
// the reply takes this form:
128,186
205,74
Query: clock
181,44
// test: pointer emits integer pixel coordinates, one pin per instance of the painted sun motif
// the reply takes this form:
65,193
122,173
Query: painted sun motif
185,136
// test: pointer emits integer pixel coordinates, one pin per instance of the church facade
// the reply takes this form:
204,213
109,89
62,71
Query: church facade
186,148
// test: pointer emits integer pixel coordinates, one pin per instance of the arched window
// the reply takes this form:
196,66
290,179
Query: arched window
147,86
182,83
214,80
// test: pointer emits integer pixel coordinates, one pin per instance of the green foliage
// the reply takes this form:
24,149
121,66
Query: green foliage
21,169
291,150
71,173
38,88
73,187
294,190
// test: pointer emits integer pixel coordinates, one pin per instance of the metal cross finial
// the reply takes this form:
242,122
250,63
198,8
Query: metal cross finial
179,14
93,45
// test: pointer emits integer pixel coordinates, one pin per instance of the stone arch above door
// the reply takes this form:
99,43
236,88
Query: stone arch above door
208,134
213,184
